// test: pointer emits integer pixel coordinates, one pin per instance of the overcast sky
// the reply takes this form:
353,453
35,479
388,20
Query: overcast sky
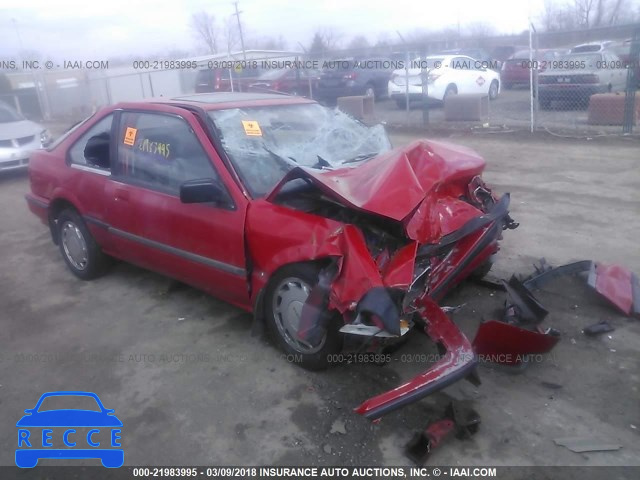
81,29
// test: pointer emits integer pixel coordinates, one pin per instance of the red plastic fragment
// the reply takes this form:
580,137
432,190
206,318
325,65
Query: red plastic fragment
455,364
507,344
615,284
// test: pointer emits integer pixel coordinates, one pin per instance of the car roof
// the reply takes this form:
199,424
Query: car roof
223,100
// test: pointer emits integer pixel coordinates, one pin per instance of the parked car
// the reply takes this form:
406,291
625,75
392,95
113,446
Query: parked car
515,70
295,82
226,79
623,50
446,75
19,138
575,77
364,76
283,207
592,47
502,53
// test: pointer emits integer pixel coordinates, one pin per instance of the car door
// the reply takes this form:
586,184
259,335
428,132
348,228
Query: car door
201,244
463,75
90,158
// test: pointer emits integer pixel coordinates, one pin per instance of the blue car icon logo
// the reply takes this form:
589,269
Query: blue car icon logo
69,433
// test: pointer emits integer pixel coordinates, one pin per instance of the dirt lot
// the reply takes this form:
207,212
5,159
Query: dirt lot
192,386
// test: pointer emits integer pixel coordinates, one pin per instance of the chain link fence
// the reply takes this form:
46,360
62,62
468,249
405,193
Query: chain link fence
568,83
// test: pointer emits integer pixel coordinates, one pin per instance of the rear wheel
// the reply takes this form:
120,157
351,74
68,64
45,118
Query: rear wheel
285,296
401,103
370,92
451,90
79,250
493,90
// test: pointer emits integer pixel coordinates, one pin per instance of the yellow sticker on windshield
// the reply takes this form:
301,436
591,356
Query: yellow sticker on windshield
130,136
251,128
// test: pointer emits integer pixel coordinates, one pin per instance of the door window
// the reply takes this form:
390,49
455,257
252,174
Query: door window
93,148
161,152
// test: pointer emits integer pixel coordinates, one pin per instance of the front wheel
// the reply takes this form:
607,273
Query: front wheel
79,250
285,296
493,90
401,103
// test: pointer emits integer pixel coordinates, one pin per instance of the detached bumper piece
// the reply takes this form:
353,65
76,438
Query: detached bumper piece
511,341
458,362
614,282
618,285
508,344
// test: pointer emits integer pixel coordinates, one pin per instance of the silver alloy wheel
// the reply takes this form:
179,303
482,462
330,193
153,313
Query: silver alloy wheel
288,299
74,245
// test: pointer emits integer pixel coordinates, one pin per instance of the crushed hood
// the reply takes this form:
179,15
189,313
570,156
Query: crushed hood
393,184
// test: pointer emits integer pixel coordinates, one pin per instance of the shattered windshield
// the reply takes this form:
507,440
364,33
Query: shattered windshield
264,143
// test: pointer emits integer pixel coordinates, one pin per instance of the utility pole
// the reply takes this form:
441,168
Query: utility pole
237,14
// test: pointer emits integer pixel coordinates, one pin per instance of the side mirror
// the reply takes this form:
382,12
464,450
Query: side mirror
204,190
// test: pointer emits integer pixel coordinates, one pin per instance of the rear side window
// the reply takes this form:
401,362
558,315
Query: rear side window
92,149
161,152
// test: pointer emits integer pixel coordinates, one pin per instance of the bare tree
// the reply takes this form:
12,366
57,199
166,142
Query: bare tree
383,40
204,28
583,11
268,43
331,37
231,34
557,15
480,29
359,42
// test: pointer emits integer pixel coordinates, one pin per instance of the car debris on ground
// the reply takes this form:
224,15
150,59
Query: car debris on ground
586,444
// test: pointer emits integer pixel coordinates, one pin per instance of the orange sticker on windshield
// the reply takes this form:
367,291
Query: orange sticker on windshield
251,128
130,136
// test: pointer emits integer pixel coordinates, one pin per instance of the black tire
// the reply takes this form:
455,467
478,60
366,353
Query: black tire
401,103
493,90
370,91
74,234
451,90
507,86
332,342
482,271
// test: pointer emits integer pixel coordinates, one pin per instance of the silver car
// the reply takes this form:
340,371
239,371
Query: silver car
19,138
577,76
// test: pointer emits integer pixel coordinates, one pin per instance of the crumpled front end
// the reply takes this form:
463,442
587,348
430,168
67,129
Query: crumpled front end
386,263
447,263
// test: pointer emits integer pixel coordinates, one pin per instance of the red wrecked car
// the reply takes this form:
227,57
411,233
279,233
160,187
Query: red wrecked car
276,204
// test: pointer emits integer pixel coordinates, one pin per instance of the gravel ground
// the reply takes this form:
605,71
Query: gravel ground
193,387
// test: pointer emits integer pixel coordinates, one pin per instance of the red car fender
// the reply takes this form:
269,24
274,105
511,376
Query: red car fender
398,273
278,236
